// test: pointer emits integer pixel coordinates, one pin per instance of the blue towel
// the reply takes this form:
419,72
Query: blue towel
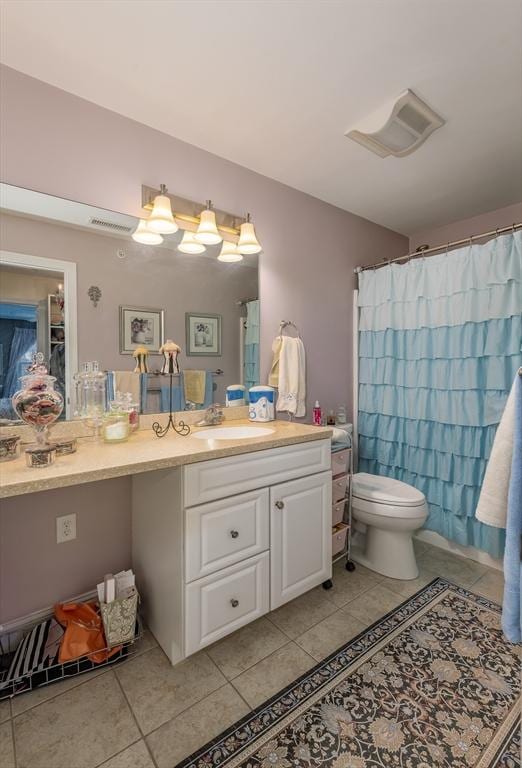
511,608
178,400
144,383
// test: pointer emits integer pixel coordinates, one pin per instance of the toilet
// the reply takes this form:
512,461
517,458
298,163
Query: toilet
392,511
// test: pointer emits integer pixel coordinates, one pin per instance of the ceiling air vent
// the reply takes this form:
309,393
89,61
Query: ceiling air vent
109,225
398,128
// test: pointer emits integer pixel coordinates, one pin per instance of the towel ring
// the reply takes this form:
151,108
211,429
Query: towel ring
286,324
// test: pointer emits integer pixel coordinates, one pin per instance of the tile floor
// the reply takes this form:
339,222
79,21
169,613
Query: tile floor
147,714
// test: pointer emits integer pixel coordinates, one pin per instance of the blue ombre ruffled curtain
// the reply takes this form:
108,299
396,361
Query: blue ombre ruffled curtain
439,345
251,360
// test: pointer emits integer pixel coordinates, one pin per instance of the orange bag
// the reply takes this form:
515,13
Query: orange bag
83,634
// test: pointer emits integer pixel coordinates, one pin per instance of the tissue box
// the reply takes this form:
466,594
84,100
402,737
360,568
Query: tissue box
119,619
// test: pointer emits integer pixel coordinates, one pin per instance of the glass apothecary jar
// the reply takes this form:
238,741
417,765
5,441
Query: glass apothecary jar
38,403
115,427
90,395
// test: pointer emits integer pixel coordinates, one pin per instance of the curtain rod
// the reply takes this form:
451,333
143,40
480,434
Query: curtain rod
452,244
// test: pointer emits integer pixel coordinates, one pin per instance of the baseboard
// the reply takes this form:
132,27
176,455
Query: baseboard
431,537
23,622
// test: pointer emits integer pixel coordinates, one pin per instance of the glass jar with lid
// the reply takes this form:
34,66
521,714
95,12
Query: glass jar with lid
38,403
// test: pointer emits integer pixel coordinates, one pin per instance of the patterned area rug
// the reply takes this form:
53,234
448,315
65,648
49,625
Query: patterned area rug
431,685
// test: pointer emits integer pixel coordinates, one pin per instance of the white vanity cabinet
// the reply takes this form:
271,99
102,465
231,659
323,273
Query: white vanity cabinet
216,544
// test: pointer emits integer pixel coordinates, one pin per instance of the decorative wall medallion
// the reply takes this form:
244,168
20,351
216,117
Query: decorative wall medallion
94,294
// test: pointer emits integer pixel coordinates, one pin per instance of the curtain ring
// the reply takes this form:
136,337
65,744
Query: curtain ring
497,232
513,228
447,249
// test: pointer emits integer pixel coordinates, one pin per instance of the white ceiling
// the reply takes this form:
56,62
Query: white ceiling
274,85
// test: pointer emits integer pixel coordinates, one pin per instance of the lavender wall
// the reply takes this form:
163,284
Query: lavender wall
35,571
56,143
457,230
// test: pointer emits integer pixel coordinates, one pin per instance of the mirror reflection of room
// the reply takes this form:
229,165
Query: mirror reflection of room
31,321
134,301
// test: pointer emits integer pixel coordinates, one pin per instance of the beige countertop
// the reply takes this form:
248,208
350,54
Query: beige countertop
144,452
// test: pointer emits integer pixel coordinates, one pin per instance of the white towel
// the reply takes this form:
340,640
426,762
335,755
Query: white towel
291,385
493,501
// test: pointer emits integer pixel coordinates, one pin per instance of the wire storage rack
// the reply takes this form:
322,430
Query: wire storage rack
347,518
39,676
346,521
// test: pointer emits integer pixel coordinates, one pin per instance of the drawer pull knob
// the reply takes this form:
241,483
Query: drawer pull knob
234,534
280,504
234,603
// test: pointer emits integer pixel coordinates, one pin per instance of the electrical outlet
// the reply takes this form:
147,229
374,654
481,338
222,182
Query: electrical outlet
65,528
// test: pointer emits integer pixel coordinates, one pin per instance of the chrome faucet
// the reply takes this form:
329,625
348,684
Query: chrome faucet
213,416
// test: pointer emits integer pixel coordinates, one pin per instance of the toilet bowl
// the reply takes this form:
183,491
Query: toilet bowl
392,511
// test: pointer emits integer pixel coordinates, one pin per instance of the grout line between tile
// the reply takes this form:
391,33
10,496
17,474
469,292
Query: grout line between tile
62,693
260,660
335,609
136,721
100,765
14,742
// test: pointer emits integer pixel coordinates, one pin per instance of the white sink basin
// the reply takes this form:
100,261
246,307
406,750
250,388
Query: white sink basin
232,433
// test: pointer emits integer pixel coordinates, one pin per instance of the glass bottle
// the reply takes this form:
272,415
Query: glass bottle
341,414
91,395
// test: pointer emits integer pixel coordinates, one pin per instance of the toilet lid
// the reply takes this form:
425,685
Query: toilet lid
385,490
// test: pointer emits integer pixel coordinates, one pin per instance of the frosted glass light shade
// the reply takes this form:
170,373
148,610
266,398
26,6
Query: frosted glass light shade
161,219
248,242
229,252
142,234
207,231
190,245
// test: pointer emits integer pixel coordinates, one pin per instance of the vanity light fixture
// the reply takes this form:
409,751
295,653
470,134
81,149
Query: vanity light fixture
229,252
248,242
161,219
190,245
207,232
142,234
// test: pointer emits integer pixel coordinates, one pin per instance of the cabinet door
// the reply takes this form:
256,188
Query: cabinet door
300,536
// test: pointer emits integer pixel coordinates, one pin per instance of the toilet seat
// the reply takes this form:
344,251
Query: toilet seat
386,491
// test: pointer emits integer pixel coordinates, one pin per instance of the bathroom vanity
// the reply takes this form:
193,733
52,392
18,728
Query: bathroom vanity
236,538
223,531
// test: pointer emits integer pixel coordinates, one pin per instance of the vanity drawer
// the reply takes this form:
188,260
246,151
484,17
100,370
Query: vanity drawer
223,602
340,461
216,479
339,485
225,532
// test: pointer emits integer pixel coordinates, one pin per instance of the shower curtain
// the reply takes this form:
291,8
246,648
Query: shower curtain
251,359
439,344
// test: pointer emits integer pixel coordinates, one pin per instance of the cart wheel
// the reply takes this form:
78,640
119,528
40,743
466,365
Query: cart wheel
350,566
327,584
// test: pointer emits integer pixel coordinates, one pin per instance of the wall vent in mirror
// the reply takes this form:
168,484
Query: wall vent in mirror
109,225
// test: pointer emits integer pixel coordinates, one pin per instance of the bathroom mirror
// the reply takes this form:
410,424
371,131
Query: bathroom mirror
77,286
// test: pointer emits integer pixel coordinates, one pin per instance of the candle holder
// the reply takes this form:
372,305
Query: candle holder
181,428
